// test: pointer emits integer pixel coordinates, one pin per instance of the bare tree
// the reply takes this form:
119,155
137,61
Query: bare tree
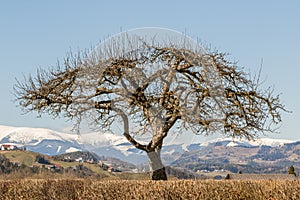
151,87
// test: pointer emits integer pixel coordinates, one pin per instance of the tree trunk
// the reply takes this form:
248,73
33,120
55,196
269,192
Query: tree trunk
157,169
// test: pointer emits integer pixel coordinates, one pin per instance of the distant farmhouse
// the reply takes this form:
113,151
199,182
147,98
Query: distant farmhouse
261,177
11,146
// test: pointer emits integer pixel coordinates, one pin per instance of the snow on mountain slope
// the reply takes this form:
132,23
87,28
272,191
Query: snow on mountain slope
246,143
270,142
101,139
32,136
72,149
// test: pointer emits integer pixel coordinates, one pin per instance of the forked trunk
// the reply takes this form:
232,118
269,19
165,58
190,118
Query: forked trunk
157,169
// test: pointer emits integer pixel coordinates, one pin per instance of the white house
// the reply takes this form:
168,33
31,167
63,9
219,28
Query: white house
11,146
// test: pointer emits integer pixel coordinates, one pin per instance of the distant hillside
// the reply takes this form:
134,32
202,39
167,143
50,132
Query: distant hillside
26,164
248,159
85,156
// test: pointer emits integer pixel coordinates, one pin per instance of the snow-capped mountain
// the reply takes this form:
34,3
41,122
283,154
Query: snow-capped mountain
246,143
40,140
51,142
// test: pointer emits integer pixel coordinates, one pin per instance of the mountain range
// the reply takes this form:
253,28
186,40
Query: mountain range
265,154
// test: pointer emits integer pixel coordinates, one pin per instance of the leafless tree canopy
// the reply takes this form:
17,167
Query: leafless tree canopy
152,88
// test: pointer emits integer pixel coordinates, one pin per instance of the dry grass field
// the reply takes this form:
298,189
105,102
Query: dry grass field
146,189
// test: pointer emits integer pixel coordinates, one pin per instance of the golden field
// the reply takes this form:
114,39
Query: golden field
146,189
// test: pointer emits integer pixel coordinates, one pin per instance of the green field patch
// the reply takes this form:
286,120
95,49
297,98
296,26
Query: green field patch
22,157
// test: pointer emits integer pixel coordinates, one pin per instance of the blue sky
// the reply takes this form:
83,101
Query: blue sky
37,33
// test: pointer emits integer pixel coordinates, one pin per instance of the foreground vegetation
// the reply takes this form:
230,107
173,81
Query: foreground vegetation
146,189
23,176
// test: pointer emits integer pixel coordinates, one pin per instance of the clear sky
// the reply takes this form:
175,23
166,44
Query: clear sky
36,33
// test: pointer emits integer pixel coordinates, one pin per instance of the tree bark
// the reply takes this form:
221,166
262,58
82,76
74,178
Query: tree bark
157,169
